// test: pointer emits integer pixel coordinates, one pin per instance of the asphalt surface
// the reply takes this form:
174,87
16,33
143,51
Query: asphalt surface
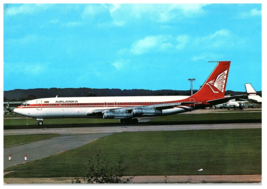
45,148
124,128
74,137
256,179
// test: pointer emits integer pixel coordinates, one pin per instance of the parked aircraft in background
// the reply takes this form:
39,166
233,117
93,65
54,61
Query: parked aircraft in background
252,95
129,109
231,104
241,103
10,106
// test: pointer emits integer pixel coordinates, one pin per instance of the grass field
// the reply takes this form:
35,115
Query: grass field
15,140
209,117
23,121
217,152
194,118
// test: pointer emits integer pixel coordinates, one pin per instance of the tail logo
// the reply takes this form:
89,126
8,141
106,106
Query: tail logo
218,83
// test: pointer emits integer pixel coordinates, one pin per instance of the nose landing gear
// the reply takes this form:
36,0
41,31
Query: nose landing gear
40,122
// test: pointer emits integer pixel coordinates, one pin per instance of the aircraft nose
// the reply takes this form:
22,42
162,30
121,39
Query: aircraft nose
15,110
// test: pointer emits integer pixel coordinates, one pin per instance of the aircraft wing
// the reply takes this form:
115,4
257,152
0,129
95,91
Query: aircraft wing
169,105
226,99
129,109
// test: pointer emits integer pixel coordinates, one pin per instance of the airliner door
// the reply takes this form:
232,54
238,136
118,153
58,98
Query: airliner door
39,104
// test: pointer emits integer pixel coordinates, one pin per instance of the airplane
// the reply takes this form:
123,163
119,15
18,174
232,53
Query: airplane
231,104
252,95
129,109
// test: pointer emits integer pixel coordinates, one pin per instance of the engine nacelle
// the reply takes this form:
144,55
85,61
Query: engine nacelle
150,112
108,115
146,112
138,111
112,115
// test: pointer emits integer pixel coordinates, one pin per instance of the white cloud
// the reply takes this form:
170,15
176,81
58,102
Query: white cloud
156,43
165,46
26,68
114,7
219,33
92,10
117,64
25,9
190,9
207,57
182,41
167,12
125,13
255,12
251,13
144,45
161,43
217,39
120,64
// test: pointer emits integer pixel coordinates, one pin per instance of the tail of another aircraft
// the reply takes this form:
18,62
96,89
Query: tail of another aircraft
214,86
252,94
250,89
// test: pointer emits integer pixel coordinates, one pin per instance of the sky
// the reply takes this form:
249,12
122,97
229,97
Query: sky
130,46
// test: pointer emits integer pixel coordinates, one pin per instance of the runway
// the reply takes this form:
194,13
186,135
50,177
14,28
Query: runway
74,137
124,128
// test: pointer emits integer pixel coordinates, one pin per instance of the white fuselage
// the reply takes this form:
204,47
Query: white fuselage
63,107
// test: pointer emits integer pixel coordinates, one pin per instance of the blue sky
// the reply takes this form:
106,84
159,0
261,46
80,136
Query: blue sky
130,46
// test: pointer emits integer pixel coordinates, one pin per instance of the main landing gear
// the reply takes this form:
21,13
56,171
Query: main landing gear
127,121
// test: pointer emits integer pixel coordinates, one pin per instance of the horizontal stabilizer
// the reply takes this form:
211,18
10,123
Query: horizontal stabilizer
226,99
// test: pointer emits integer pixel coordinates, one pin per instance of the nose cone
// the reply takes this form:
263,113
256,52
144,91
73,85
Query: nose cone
15,110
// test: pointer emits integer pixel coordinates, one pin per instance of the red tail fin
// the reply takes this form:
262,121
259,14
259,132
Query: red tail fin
214,86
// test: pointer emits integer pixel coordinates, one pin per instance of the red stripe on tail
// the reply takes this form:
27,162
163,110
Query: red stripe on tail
214,86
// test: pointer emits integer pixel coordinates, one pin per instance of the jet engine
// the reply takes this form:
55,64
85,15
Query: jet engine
146,112
116,115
